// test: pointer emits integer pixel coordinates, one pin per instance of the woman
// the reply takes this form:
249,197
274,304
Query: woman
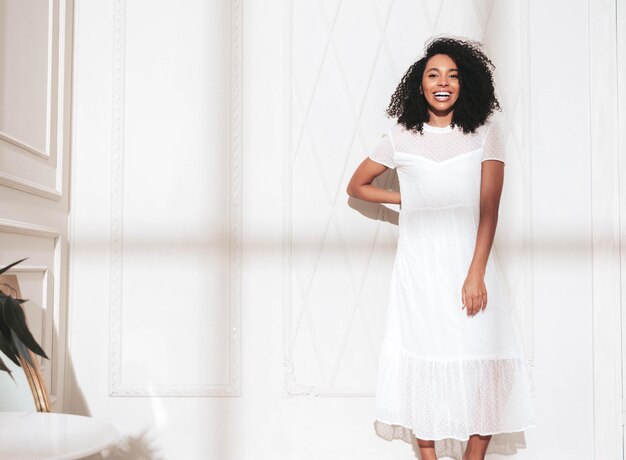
446,372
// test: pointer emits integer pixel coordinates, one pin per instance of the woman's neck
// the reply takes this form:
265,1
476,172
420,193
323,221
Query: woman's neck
439,119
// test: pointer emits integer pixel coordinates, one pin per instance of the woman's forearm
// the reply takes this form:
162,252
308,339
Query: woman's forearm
375,194
484,241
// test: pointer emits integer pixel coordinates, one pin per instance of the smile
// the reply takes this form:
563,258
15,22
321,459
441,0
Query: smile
442,95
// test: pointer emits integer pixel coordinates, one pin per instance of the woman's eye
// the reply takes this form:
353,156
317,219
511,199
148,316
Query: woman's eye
454,76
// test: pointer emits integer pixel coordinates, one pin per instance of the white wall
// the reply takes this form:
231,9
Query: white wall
160,191
562,231
155,339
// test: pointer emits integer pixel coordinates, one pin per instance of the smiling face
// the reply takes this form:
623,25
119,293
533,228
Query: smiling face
440,85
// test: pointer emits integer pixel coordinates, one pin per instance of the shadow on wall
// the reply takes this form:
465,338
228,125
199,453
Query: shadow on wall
16,395
130,448
137,447
377,211
75,404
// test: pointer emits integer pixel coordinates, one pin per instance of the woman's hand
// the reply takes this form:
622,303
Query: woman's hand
474,293
474,290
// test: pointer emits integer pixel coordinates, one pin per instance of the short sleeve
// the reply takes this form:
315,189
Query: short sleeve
493,143
383,152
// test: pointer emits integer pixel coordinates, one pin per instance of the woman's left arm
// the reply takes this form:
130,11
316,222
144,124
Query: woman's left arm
474,293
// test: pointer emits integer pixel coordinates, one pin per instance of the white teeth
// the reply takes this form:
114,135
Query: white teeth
442,93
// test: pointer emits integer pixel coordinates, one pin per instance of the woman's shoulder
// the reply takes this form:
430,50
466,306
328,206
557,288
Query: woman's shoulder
495,123
394,126
397,129
394,129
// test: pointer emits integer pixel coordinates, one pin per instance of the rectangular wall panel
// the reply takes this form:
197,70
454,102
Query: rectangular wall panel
173,214
621,192
606,45
39,278
33,93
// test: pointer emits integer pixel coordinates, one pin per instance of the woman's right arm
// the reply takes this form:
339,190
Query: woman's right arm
360,185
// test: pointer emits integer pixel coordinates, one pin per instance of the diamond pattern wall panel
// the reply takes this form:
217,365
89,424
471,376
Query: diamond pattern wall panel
344,58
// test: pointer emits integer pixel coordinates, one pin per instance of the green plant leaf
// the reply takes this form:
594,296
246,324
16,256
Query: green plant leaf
8,267
4,368
22,350
7,347
16,320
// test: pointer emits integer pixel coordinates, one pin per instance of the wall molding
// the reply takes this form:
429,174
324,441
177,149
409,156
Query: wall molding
605,223
51,64
115,356
117,388
24,146
47,319
29,269
56,120
17,183
621,154
52,288
528,326
25,228
293,387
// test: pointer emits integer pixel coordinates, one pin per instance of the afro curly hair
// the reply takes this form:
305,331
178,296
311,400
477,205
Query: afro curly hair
477,99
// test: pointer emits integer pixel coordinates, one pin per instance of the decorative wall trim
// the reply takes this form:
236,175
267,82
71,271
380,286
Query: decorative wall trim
116,386
29,269
24,228
528,328
53,11
17,183
56,116
621,154
291,385
119,54
52,290
236,205
24,146
47,320
605,222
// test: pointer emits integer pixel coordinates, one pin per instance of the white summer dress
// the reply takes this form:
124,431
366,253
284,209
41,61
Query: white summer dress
443,375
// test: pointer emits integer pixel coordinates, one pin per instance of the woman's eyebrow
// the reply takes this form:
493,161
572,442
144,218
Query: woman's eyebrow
437,69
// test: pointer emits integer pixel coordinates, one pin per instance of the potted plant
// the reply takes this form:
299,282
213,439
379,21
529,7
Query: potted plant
16,340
